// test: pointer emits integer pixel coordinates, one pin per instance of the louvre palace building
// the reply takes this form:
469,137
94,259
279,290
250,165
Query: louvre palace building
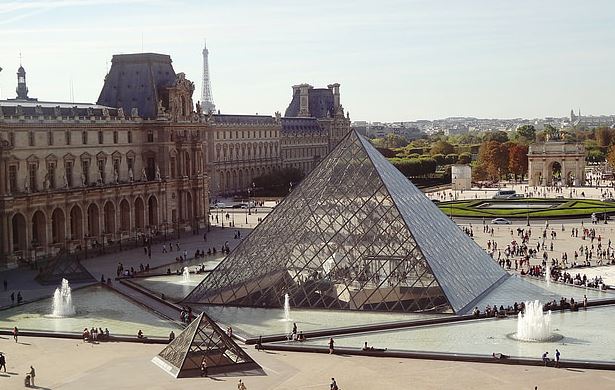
144,161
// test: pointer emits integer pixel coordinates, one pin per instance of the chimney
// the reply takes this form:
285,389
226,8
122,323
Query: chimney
335,88
304,100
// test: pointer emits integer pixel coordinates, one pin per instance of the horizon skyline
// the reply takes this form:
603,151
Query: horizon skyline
466,60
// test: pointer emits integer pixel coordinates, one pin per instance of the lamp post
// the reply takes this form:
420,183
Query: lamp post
527,207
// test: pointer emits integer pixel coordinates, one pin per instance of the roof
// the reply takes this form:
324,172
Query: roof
320,102
135,80
300,125
53,109
243,119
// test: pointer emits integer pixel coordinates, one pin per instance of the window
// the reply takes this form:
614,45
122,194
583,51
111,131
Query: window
224,134
129,136
130,163
67,137
84,137
230,135
115,137
68,172
31,138
32,170
85,167
13,178
173,167
100,137
236,134
49,138
51,175
150,136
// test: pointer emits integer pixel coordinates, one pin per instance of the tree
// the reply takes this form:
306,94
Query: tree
550,131
278,182
595,155
493,158
528,132
604,136
451,158
517,160
465,158
441,147
499,136
610,157
439,158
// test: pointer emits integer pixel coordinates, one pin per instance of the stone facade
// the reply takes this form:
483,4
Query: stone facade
550,156
142,161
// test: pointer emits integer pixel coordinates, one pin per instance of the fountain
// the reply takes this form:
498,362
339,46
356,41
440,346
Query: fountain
186,275
63,301
287,308
548,275
534,324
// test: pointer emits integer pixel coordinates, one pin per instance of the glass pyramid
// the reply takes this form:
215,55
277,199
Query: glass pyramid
203,340
358,235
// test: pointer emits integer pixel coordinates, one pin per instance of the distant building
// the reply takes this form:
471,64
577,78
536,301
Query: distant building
142,161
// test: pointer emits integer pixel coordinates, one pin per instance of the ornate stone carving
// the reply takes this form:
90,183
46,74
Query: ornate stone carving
89,112
105,112
120,113
131,176
57,112
134,112
19,110
38,110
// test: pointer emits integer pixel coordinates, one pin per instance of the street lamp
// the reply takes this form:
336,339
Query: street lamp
527,206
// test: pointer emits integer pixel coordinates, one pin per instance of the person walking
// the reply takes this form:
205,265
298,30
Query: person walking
331,342
15,333
6,285
241,386
557,355
203,368
2,361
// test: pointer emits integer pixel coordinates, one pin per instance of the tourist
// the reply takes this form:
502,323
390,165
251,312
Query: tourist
333,385
12,298
331,343
19,298
106,334
2,362
32,374
301,336
203,367
164,248
86,335
171,336
15,333
259,343
557,355
229,332
241,386
140,334
545,358
6,285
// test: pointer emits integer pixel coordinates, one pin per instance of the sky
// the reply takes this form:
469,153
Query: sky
396,60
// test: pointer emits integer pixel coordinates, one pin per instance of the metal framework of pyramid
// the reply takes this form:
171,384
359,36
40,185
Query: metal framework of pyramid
64,266
357,235
203,339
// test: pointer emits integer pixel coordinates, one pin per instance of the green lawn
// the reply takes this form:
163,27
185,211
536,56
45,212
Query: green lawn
567,208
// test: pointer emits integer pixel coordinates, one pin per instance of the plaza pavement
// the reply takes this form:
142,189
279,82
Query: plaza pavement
69,364
74,365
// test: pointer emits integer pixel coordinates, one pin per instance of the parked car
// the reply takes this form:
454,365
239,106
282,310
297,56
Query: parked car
500,221
219,205
240,206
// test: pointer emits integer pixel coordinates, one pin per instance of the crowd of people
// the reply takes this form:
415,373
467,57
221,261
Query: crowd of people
95,335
